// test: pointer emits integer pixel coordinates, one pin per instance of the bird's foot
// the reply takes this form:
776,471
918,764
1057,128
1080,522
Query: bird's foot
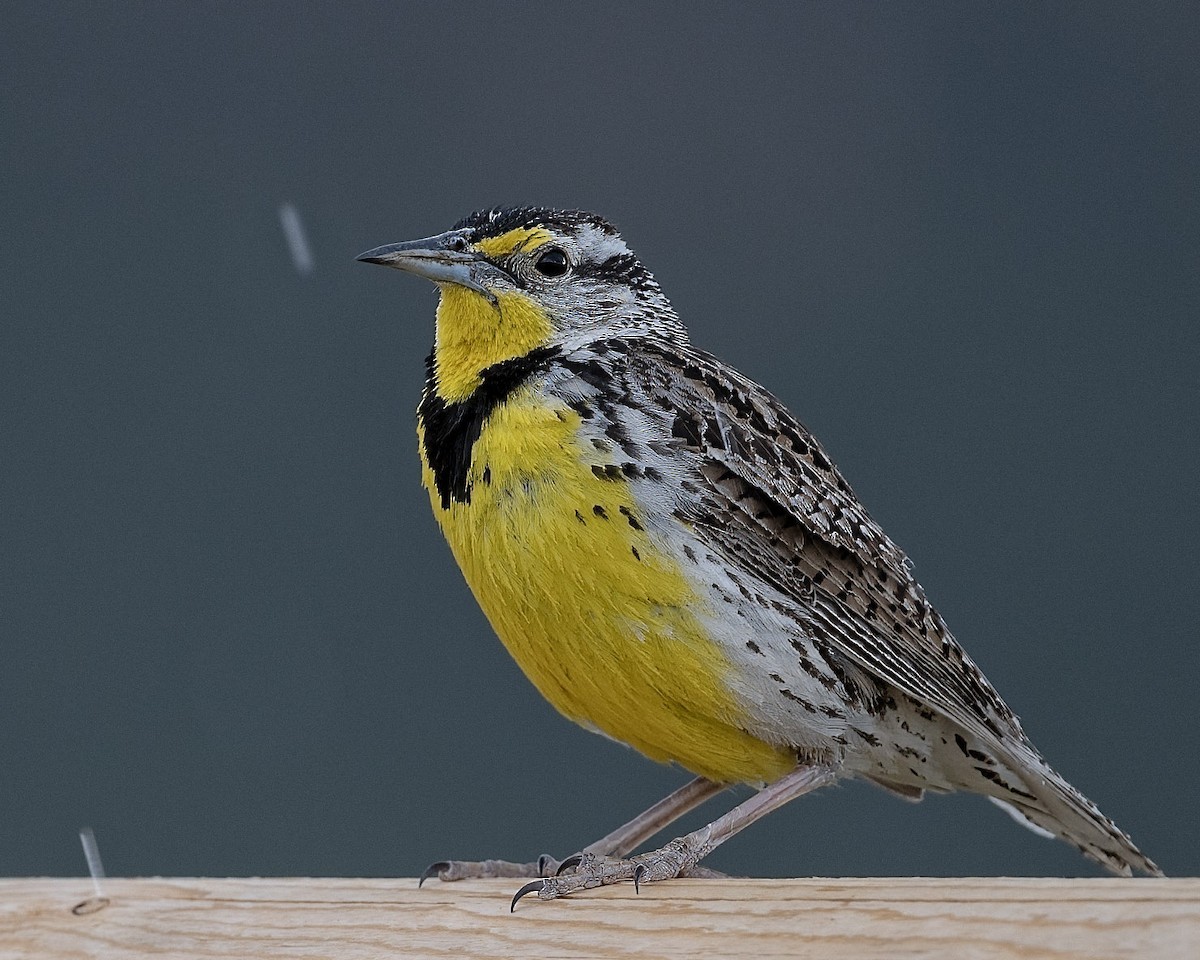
583,872
447,870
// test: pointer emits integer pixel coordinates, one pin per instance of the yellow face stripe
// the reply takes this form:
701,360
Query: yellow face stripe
523,238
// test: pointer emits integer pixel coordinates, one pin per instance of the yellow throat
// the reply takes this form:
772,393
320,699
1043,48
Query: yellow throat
582,592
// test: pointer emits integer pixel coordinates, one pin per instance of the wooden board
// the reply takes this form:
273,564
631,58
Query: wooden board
305,919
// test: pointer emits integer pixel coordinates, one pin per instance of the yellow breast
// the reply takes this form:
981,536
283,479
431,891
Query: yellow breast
590,606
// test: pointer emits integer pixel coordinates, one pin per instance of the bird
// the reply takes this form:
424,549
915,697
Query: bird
676,563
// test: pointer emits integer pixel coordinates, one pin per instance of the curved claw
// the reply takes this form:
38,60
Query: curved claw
533,886
432,871
637,877
572,861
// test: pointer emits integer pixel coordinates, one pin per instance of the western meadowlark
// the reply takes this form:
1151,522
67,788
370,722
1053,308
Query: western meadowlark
675,562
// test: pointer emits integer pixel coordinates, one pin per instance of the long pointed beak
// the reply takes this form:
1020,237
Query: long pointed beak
445,258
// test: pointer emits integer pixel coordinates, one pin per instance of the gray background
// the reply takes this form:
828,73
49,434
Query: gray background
959,240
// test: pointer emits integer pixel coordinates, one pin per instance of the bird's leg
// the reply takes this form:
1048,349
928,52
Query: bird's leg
619,843
683,853
625,839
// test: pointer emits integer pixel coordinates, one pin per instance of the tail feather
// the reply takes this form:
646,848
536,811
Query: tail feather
1022,819
998,762
1052,805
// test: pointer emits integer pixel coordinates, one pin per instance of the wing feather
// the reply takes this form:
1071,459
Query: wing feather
768,499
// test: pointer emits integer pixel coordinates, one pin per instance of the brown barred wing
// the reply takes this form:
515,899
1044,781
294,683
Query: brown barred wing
766,498
770,500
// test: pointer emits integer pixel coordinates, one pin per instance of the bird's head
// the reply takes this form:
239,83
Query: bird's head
516,279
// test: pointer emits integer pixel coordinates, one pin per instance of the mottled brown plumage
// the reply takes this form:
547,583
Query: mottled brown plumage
675,561
766,499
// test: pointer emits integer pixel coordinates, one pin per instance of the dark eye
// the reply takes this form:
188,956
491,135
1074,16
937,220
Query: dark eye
552,263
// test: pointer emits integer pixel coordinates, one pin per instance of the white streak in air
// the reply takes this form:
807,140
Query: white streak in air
92,852
293,231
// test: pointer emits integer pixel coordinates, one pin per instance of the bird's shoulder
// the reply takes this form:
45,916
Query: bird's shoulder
731,429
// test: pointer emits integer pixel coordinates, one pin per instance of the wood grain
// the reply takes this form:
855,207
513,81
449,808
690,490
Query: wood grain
306,919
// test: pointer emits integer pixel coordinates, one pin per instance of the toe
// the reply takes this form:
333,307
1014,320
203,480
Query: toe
436,868
569,863
533,886
449,870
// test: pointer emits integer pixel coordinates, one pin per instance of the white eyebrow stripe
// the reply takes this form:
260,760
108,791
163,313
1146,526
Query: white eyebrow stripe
598,245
